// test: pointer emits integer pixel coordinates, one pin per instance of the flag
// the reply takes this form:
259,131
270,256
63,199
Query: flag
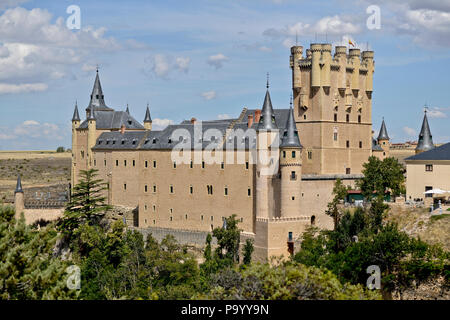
350,42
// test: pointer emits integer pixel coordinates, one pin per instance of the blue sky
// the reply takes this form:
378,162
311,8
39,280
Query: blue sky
208,59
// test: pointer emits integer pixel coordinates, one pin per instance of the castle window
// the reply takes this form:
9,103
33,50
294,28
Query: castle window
154,221
104,162
309,155
154,163
246,165
123,141
186,216
191,165
145,207
174,165
191,189
171,218
212,219
249,192
313,220
203,164
293,198
304,117
146,164
226,191
335,136
154,140
428,195
347,117
348,144
97,96
293,176
95,163
222,165
124,186
117,163
360,144
359,118
124,163
82,154
347,170
170,140
114,141
134,140
209,189
293,154
145,188
171,189
201,217
284,154
134,163
429,167
335,117
154,188
171,210
154,208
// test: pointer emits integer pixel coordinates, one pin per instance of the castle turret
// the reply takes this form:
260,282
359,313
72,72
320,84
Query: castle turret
92,136
148,119
315,64
325,77
128,110
290,168
97,98
19,204
340,56
355,60
296,55
425,142
268,156
75,125
367,59
383,140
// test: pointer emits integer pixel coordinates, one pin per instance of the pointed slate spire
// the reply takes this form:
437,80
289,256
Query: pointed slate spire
383,132
19,185
425,142
267,120
91,113
128,110
147,118
290,137
97,97
76,116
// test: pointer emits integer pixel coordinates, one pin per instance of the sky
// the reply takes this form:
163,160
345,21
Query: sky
208,59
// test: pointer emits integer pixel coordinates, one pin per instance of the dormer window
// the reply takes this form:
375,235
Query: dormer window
107,141
170,140
130,122
123,141
146,141
96,96
134,141
154,140
114,142
100,141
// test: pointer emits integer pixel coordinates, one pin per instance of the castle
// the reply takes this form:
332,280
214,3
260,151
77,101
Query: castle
326,134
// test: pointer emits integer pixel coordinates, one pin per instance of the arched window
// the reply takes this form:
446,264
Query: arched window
313,220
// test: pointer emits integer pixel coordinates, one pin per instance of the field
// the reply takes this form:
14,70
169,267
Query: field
42,172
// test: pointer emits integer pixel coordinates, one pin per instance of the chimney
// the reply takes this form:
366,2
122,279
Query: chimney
257,115
250,120
193,120
122,129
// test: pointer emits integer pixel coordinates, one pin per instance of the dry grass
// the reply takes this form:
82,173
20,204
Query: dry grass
5,155
418,222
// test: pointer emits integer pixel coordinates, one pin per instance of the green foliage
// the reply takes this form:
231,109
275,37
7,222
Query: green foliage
28,268
288,281
248,250
361,240
340,192
228,240
60,149
87,205
381,176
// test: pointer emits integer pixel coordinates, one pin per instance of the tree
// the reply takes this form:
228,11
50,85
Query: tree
60,149
248,250
87,204
28,268
228,238
381,176
340,192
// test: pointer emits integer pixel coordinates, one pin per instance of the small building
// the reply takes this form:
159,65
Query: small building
426,171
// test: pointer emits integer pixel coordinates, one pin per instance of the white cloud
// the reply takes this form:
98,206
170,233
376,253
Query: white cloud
209,95
217,60
160,124
32,129
36,50
182,63
160,66
88,67
409,131
434,113
20,88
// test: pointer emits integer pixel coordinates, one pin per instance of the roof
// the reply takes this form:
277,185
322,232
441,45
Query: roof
290,133
76,115
425,138
19,185
439,153
115,140
114,120
376,146
267,120
97,98
383,132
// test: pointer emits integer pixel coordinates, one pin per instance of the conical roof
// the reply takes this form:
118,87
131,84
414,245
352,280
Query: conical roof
290,137
76,115
267,120
425,138
97,97
147,118
383,132
128,110
91,115
19,185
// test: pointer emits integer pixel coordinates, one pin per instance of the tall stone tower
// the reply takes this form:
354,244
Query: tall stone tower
75,125
383,140
291,169
333,107
92,136
147,119
425,142
19,202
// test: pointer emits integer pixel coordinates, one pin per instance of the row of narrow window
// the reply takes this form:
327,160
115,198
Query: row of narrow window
209,188
222,165
347,118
